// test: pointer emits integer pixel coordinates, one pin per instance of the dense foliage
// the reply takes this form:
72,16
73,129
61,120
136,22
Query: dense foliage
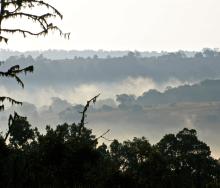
71,156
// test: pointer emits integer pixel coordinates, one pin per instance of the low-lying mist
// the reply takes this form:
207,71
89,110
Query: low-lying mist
140,96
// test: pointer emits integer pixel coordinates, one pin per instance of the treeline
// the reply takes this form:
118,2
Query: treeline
205,91
65,54
71,156
201,66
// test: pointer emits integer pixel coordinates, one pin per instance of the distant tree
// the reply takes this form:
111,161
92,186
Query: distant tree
95,56
22,10
207,52
198,55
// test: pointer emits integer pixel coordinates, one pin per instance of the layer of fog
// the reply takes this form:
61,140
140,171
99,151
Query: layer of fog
80,93
56,91
126,116
125,123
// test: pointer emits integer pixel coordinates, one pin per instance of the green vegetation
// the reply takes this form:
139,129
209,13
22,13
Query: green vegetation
70,156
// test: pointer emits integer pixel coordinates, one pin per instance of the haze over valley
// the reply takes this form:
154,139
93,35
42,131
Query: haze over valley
141,94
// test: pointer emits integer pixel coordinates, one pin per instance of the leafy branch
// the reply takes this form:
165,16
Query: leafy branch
18,12
23,9
15,70
9,99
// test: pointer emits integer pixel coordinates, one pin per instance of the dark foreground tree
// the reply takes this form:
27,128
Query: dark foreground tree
70,156
19,131
188,160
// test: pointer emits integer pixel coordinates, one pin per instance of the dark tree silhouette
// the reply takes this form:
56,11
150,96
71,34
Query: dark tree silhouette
64,158
19,131
188,159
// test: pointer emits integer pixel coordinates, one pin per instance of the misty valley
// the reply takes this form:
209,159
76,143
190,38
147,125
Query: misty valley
155,94
109,94
172,99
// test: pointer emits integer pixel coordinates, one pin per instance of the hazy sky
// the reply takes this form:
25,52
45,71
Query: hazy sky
132,24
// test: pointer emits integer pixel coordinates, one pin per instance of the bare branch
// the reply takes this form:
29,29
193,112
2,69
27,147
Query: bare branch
82,122
103,136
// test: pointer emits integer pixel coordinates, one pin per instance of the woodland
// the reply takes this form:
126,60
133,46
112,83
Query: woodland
70,155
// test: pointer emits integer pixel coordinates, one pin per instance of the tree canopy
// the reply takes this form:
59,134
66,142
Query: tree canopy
70,156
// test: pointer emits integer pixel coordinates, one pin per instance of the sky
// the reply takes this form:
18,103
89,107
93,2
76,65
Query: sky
144,25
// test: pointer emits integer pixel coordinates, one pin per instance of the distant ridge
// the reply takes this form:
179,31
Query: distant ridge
64,54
